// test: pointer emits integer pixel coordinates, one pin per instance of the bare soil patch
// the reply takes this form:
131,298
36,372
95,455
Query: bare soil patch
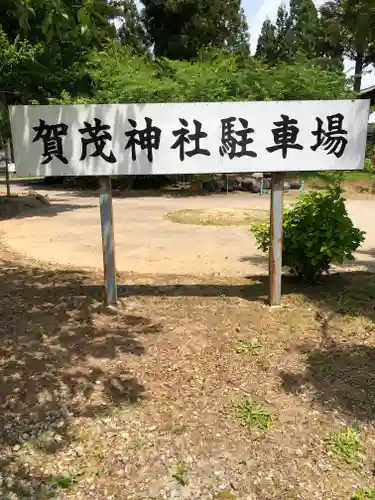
218,216
141,402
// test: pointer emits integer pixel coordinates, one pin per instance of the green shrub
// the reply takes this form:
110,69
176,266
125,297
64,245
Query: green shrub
369,166
317,233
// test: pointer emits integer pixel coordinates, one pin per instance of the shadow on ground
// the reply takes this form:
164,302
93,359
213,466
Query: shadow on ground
342,378
55,343
369,264
90,189
342,293
16,206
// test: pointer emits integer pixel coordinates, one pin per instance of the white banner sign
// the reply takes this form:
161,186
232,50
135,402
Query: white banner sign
189,138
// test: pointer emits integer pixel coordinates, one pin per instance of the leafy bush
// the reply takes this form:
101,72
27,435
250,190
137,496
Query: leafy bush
369,166
317,233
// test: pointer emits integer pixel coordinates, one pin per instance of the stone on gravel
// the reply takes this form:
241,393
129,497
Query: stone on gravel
30,201
246,183
44,199
38,196
295,184
251,185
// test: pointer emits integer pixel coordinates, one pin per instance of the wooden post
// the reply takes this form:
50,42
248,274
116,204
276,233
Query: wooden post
7,161
276,238
106,218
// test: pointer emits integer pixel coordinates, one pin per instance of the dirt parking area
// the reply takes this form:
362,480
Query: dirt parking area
68,233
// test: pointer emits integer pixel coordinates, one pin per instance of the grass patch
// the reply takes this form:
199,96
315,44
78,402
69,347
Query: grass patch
251,415
178,429
352,182
180,474
326,177
346,445
66,481
217,217
248,346
225,495
364,494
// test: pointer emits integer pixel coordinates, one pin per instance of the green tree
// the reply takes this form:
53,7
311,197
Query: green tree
352,26
267,43
305,27
284,35
122,76
300,32
52,18
132,32
63,34
18,76
179,29
330,51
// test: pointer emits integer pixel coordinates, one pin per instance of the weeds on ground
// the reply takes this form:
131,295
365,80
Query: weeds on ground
250,346
346,444
252,415
365,494
225,495
178,429
180,474
67,481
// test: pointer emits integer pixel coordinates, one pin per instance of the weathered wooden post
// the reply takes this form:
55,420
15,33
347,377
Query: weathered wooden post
108,241
276,238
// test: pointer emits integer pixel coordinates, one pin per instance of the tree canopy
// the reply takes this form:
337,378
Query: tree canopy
350,24
296,32
341,28
178,29
132,32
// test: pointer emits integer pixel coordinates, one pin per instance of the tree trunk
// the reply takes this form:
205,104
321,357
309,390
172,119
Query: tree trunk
358,72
